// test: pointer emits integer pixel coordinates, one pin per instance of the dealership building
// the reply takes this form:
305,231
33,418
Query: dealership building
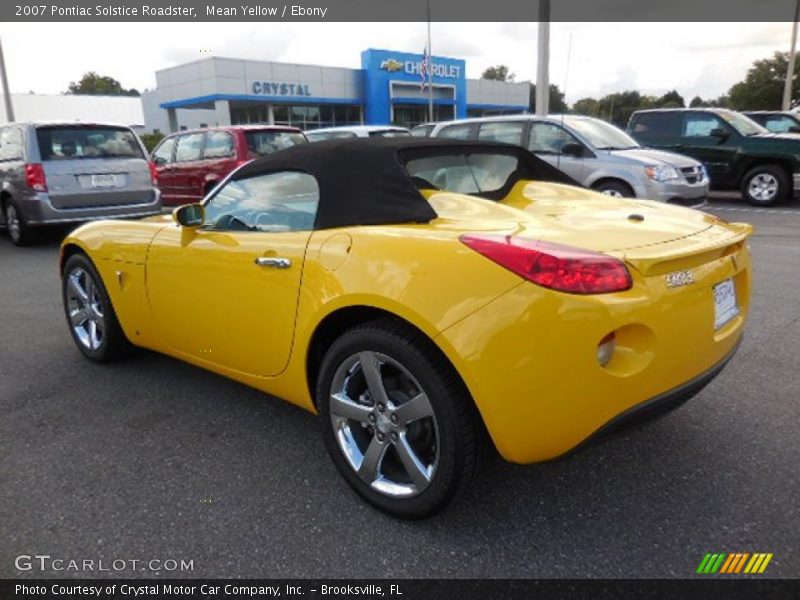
386,89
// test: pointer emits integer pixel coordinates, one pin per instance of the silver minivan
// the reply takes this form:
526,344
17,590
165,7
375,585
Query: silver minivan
71,172
594,153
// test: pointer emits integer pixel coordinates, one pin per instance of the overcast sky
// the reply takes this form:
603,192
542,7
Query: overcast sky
702,59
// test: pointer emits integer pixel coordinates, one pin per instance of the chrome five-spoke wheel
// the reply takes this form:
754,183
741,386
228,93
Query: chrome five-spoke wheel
398,422
90,315
384,424
85,309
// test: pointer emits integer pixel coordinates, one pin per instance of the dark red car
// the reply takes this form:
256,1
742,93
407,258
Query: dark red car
190,163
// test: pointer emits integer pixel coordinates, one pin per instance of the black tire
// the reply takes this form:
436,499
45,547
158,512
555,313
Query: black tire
456,425
18,229
112,344
765,185
613,187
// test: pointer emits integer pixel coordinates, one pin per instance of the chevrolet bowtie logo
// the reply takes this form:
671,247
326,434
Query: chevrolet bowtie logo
391,65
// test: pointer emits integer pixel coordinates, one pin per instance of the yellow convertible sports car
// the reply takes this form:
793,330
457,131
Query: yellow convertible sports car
418,294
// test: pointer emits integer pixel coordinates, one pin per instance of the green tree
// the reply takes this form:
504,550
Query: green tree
150,140
586,106
671,99
619,106
762,88
498,73
697,102
723,101
93,84
557,103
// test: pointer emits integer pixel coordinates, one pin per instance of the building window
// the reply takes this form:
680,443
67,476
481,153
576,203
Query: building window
411,115
474,113
311,116
304,116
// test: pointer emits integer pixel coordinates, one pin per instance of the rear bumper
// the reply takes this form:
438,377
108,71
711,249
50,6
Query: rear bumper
657,407
529,358
38,210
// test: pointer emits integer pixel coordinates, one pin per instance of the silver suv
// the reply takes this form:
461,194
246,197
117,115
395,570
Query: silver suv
67,172
594,153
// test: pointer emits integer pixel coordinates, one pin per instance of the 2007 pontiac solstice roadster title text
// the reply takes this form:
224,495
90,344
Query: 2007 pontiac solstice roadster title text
418,293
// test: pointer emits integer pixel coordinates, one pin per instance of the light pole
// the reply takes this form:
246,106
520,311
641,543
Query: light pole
430,67
787,85
6,91
542,68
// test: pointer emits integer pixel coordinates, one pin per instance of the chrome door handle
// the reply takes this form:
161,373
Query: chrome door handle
276,263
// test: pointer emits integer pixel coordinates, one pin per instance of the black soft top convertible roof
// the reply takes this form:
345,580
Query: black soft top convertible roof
363,181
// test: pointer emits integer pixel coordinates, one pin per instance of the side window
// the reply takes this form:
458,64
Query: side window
274,202
10,144
456,132
652,128
502,131
700,125
190,147
219,144
163,154
547,138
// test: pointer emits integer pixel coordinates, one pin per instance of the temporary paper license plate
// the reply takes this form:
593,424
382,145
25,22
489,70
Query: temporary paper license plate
104,181
725,306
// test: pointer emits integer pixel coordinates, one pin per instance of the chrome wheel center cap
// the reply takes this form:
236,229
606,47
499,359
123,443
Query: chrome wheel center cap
383,423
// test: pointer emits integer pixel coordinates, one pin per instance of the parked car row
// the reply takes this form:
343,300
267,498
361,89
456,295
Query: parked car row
674,155
594,153
71,172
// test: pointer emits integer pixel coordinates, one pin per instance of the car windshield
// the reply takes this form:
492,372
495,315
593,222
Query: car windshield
261,143
742,124
600,134
86,141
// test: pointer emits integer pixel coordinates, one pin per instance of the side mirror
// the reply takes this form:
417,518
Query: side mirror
572,149
157,160
189,215
719,132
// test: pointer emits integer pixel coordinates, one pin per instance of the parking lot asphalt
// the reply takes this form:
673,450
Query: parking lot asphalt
155,459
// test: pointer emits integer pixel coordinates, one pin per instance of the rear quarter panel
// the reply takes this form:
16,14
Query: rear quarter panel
420,273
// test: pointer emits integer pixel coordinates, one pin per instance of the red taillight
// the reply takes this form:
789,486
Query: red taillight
153,173
554,266
34,177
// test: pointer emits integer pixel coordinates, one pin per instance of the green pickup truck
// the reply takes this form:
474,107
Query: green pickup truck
737,152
